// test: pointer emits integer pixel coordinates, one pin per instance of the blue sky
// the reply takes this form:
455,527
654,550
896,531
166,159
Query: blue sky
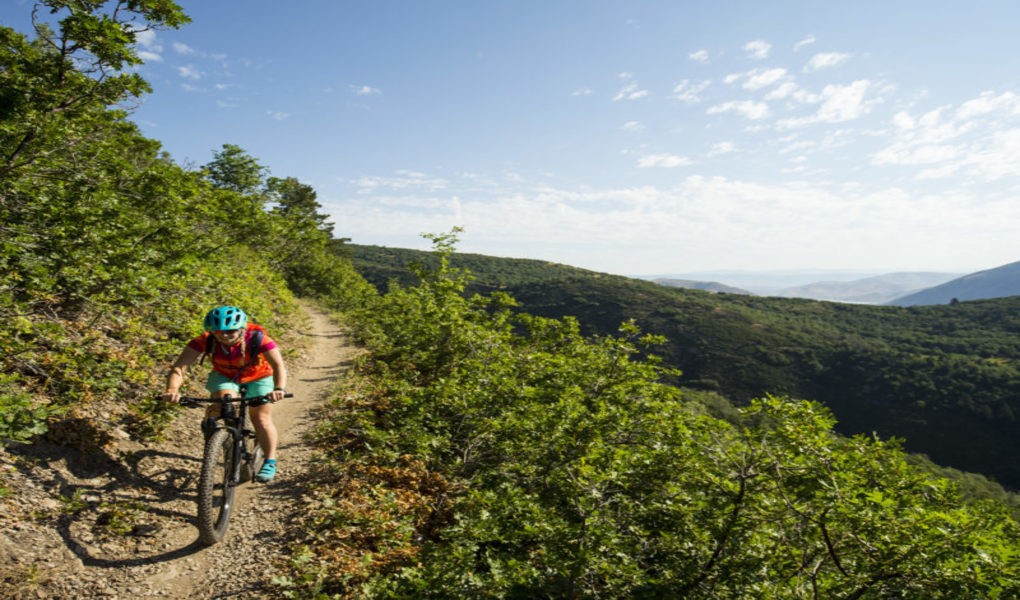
628,137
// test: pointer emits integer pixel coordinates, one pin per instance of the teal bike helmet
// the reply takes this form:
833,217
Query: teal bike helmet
225,318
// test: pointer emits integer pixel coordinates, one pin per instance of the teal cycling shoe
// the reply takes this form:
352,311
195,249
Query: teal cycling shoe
267,472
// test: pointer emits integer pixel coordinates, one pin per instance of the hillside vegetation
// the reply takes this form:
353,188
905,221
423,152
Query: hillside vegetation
491,453
483,450
943,377
110,252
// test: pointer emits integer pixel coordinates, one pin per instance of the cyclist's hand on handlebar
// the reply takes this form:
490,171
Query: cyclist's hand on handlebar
275,395
174,397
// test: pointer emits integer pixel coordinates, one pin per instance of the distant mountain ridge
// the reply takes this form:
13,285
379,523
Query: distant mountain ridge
875,289
870,290
708,286
999,282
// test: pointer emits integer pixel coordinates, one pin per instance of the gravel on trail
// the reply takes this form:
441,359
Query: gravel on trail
121,523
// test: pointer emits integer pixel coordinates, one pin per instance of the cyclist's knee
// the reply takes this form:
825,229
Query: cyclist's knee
262,411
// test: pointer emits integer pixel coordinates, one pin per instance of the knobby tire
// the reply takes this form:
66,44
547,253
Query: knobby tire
215,494
250,467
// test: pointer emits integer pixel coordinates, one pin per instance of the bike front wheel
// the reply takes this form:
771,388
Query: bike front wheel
215,490
252,460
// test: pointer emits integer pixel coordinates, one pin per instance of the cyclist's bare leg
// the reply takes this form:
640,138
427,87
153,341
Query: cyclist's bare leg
265,429
213,410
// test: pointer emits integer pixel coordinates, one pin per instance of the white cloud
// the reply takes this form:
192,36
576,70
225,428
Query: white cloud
701,223
631,90
582,92
782,91
633,126
804,42
759,79
147,39
758,49
278,115
365,90
669,161
747,108
839,103
987,103
826,60
689,93
722,148
182,48
979,140
700,56
189,72
912,154
402,181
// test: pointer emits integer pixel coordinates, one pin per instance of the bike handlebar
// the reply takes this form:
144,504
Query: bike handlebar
195,402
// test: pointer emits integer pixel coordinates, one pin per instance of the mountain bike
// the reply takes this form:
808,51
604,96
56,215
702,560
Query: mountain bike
232,457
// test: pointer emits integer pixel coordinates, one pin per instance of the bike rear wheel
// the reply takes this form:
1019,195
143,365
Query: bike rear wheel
215,491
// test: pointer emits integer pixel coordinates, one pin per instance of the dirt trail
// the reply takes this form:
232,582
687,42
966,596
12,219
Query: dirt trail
148,495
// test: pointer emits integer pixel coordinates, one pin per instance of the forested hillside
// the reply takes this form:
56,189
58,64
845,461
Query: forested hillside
483,449
943,377
492,453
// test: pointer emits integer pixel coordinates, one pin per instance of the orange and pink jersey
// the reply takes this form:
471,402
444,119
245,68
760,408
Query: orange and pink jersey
229,360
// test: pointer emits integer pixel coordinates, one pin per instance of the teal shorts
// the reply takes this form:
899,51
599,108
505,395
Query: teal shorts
219,382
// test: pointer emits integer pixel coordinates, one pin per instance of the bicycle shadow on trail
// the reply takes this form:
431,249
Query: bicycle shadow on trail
115,512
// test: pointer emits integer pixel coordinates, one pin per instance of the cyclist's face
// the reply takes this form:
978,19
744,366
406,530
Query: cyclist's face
228,336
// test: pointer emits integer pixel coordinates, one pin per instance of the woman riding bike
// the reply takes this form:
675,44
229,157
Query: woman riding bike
240,353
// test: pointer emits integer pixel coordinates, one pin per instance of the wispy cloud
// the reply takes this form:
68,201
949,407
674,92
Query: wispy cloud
759,79
668,161
699,216
980,139
365,90
633,126
146,38
689,93
401,180
722,148
182,48
758,49
988,102
189,72
700,56
826,60
278,115
838,103
784,90
804,42
630,90
582,92
746,108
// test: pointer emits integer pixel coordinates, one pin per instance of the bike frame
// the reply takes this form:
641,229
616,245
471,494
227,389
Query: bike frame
234,419
214,509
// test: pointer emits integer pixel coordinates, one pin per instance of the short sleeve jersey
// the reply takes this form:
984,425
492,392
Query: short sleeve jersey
231,360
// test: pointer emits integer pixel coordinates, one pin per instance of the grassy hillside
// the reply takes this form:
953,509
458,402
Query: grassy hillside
943,377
